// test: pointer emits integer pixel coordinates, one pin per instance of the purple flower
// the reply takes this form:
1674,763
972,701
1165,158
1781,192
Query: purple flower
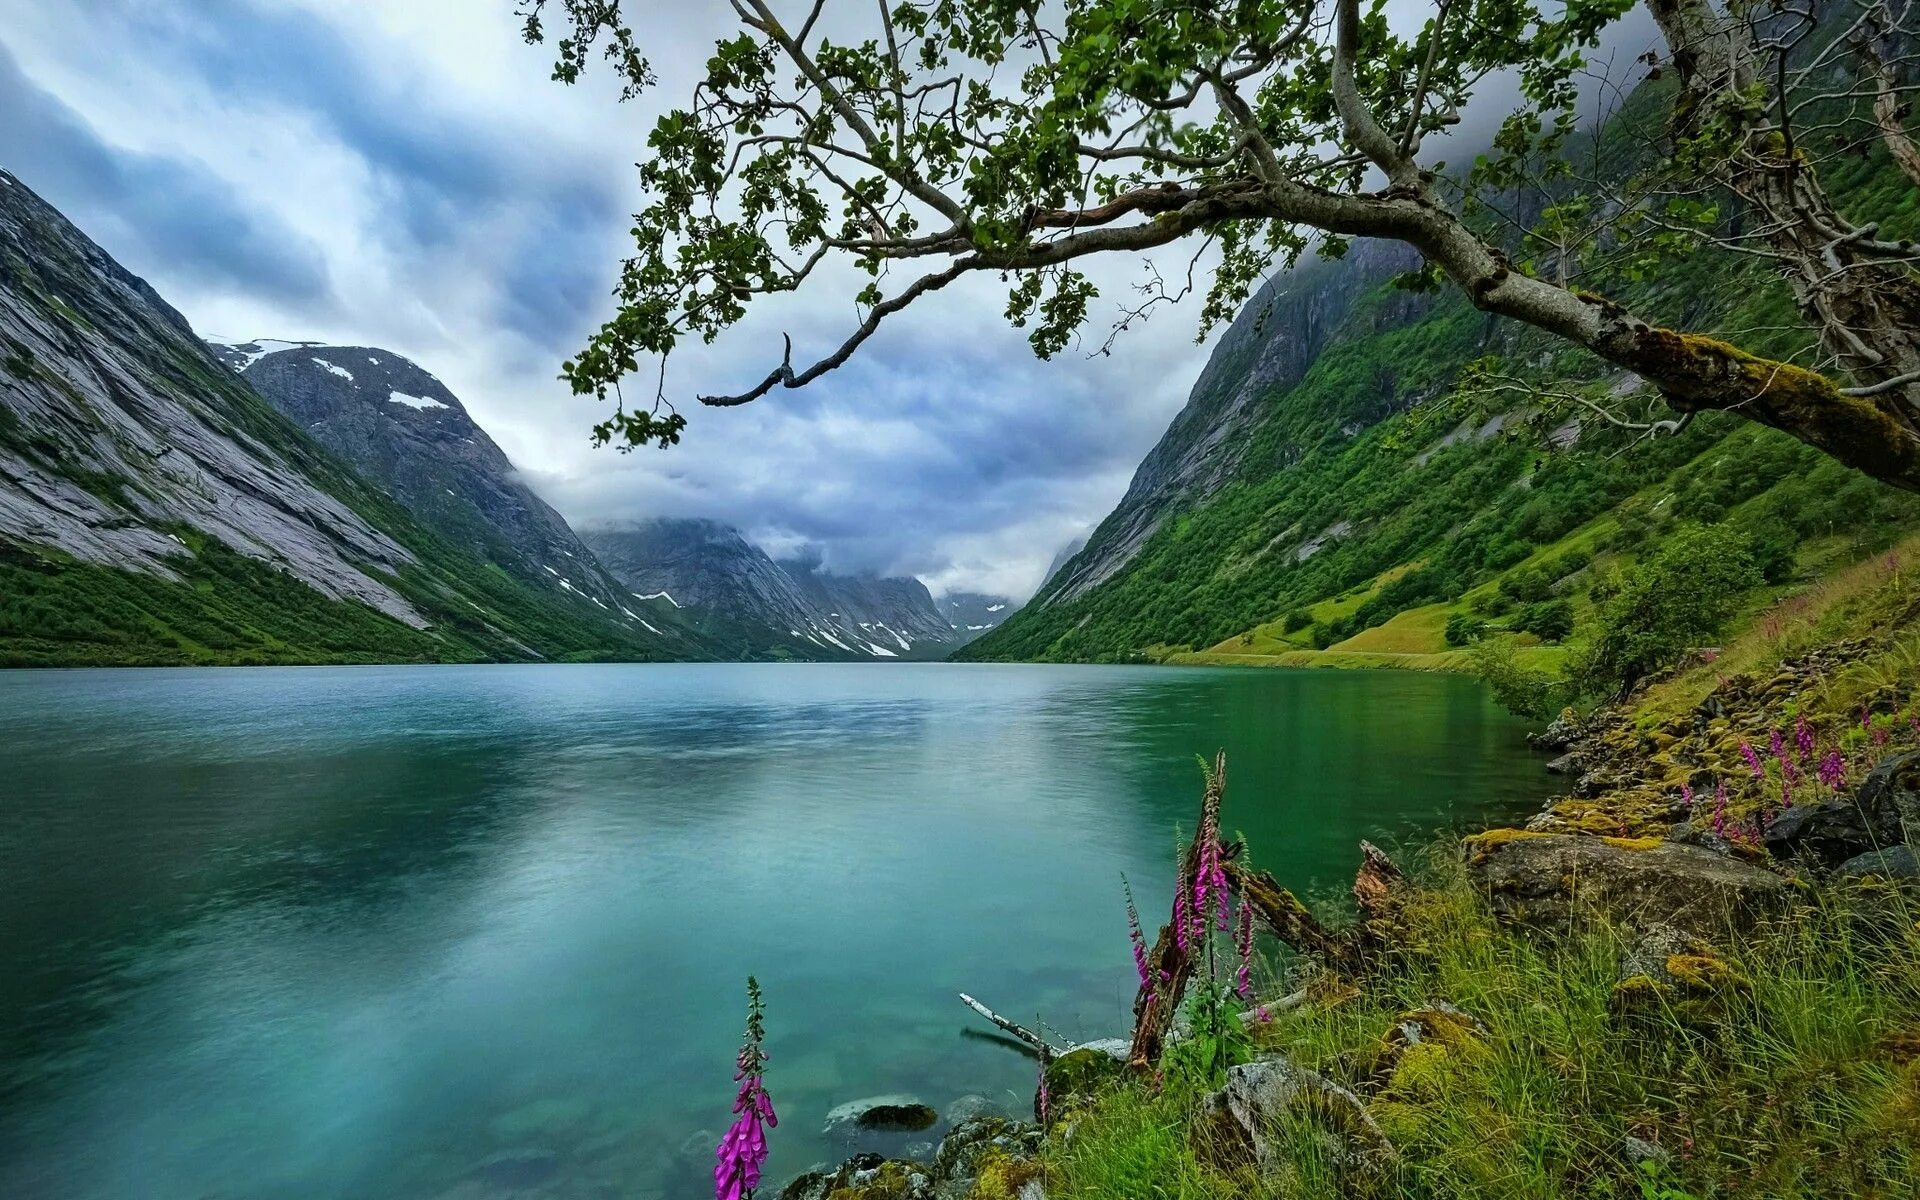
743,1148
1686,794
1788,772
1261,1014
1753,760
1134,934
1803,739
1833,770
1040,1097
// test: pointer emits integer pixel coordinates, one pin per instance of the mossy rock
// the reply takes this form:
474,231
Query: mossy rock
1436,1026
1670,972
1006,1176
1080,1075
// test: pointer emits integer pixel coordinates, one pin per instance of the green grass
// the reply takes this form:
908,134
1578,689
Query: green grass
1796,1075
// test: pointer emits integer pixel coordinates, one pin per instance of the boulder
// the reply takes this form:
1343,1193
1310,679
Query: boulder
1541,877
1082,1073
1245,1122
1884,812
891,1114
1673,973
1436,1024
967,1107
1898,862
864,1177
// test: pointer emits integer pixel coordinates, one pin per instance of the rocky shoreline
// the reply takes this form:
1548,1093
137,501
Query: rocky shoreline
1633,841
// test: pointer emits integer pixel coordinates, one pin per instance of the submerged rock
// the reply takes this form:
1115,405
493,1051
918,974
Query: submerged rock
518,1170
890,1114
1541,877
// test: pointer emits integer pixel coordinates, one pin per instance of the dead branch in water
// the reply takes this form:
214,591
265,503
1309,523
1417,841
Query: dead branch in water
1040,1045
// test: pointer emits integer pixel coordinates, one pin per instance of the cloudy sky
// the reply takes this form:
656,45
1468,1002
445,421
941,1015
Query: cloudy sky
406,175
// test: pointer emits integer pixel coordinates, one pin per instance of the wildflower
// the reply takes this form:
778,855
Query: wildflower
1833,770
1209,874
1261,1014
743,1149
1876,735
1753,760
1040,1097
1243,942
1686,794
1803,739
1134,934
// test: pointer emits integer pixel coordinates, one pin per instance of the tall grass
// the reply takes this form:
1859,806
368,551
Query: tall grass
1790,1068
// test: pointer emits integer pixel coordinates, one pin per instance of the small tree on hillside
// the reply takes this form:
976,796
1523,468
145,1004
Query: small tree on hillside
1676,600
936,139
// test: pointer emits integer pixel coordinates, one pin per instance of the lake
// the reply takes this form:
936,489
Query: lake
473,932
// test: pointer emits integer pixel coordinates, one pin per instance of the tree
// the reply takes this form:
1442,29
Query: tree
1674,601
1016,139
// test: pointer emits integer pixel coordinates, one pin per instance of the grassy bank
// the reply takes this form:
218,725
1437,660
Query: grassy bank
1788,1067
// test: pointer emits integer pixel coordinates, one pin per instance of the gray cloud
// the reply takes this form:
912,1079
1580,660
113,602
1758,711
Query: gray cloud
407,176
165,215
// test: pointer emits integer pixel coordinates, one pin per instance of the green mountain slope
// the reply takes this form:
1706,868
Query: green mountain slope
1358,503
155,509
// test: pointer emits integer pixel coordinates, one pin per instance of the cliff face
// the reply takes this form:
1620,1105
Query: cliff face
1268,348
402,428
154,508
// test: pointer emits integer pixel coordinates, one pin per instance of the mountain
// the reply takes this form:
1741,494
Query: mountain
733,590
401,428
973,613
1327,486
154,508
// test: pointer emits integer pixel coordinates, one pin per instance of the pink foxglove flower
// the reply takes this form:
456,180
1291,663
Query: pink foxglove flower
1833,770
1686,795
1753,760
743,1148
1803,739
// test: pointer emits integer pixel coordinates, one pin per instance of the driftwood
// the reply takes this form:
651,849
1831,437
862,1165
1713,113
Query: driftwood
1170,968
1376,889
1041,1046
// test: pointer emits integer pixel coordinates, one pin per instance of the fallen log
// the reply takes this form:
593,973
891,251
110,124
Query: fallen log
1040,1045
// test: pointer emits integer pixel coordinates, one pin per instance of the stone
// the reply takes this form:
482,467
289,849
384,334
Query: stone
1883,812
971,1143
892,1113
1898,862
1564,765
519,1169
1243,1122
1437,1023
966,1108
1080,1074
1672,970
543,1119
1541,877
1639,1150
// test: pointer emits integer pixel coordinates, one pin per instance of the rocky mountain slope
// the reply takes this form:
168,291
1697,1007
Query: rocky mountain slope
153,508
973,613
736,591
401,428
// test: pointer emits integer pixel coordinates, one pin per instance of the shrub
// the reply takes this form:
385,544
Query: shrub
1522,690
1548,620
1295,621
1679,598
1464,629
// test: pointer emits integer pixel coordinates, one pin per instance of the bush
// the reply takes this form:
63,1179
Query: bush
1463,629
1676,600
1549,620
1295,621
1521,690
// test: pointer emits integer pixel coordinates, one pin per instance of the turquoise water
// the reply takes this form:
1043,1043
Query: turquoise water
483,932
